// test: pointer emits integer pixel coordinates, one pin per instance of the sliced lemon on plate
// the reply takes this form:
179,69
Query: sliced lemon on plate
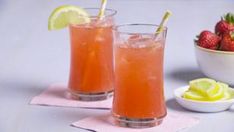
193,95
64,15
205,86
206,89
219,94
226,96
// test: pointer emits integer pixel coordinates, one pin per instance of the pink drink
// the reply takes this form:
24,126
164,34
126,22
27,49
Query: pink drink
139,98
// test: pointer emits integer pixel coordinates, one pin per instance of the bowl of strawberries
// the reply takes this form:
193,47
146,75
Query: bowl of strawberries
215,51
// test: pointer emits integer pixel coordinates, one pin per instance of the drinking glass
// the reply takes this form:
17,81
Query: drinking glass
91,65
138,57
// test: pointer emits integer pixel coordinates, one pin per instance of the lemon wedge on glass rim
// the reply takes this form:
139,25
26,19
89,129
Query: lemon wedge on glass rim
64,15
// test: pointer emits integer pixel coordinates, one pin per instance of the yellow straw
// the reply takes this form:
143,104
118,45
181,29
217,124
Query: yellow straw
163,22
102,9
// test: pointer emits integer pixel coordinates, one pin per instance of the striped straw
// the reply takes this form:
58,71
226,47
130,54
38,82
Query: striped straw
163,22
102,9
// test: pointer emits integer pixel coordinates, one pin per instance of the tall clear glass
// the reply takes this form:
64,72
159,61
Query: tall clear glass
91,67
139,97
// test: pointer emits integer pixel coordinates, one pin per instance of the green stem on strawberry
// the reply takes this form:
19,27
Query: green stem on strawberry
229,17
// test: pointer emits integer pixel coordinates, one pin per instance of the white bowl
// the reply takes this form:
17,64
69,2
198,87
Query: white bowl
202,106
215,64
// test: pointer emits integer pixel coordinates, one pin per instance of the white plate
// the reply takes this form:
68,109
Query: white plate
202,106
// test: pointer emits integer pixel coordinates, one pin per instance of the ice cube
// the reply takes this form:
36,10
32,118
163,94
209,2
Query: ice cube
99,39
105,22
138,41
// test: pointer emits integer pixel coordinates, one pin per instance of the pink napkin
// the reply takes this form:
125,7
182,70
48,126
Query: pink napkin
172,123
56,95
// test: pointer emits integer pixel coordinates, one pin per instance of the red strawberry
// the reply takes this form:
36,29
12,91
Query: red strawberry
227,42
222,27
208,40
225,24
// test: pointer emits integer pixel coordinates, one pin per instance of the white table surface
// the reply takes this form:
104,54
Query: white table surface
31,58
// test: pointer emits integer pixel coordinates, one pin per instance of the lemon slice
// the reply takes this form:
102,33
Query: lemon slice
206,87
224,85
193,95
220,93
64,15
226,96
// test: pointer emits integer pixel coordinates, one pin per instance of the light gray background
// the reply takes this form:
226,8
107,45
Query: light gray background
31,58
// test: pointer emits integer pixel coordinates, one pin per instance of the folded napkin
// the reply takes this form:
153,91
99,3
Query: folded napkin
172,123
56,95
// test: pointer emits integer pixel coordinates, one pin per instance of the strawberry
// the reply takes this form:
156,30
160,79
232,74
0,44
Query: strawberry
208,40
225,24
222,27
227,43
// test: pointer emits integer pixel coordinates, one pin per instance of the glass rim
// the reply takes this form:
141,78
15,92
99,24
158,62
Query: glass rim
138,24
112,12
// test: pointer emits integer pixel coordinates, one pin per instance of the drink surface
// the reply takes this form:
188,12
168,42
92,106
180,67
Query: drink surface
139,79
91,68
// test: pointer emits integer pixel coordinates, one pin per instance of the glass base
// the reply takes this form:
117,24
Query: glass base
90,96
137,123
